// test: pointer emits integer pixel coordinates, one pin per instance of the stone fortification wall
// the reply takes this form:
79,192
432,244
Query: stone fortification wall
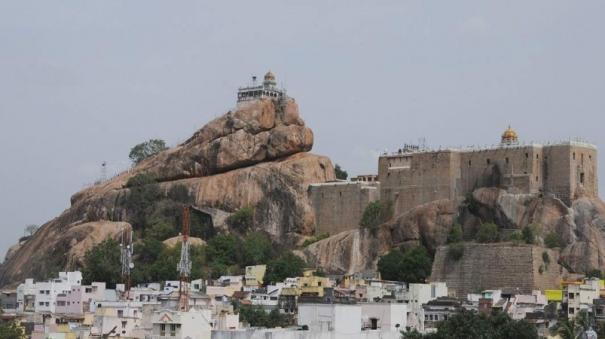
569,167
516,168
338,206
567,170
497,266
410,180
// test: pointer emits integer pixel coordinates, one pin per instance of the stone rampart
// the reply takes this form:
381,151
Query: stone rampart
517,268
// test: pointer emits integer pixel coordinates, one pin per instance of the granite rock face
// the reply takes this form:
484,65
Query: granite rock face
253,156
359,250
581,226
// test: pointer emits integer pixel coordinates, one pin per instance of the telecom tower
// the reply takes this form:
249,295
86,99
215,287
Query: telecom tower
126,250
184,266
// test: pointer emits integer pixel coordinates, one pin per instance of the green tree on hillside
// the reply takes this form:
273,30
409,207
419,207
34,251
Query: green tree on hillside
102,263
146,149
285,266
242,220
488,232
374,215
411,266
340,173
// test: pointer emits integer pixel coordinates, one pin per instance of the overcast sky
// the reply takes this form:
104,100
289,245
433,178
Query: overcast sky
81,82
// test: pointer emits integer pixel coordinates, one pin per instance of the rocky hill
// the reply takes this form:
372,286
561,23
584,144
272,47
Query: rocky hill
579,229
256,155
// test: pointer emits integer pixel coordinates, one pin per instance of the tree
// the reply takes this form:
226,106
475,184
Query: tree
286,265
374,215
242,220
144,193
488,232
455,251
257,317
257,248
102,263
455,234
529,233
146,149
553,240
12,330
31,229
411,266
467,324
340,173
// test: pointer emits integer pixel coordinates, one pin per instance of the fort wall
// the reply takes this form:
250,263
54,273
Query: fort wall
519,268
564,170
338,206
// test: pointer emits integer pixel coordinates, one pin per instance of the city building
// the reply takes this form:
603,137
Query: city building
170,324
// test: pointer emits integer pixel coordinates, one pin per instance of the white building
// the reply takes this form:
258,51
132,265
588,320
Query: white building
169,324
580,296
46,292
118,319
384,316
339,318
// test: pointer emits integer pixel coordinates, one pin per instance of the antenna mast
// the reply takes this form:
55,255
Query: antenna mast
126,250
184,266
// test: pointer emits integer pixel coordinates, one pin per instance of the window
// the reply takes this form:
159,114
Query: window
570,296
537,156
172,330
123,324
488,161
507,160
582,178
469,163
162,330
526,155
120,313
574,155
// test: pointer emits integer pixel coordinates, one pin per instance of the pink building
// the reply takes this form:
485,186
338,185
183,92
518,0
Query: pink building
79,298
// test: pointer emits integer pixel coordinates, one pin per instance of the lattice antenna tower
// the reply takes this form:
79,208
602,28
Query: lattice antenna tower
104,171
184,265
126,252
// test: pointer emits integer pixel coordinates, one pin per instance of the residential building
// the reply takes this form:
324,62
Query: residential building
170,324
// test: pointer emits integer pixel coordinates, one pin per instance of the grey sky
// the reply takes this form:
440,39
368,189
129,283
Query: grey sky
83,81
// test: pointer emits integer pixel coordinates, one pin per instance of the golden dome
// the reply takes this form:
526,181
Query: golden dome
269,76
509,136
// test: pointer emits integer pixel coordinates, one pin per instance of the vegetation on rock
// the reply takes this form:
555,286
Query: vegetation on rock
375,214
455,251
242,220
146,149
455,234
553,240
340,173
488,232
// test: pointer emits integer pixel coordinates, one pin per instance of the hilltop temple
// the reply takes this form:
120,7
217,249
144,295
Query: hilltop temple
267,89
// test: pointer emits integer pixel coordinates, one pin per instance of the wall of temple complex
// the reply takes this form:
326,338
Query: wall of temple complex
338,206
413,178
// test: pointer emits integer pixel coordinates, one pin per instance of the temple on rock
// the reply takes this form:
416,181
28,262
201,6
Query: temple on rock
267,89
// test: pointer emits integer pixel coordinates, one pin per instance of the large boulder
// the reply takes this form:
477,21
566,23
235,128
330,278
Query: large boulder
253,156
